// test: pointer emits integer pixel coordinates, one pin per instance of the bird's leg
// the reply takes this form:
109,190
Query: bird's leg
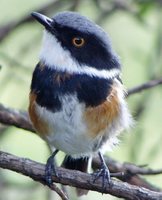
50,168
102,172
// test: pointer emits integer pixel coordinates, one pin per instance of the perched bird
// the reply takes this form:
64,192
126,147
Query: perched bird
77,100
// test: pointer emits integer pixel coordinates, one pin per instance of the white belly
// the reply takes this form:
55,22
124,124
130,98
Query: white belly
68,131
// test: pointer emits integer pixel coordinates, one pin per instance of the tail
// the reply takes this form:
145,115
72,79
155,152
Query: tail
80,164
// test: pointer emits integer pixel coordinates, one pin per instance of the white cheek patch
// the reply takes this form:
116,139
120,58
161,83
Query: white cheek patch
56,57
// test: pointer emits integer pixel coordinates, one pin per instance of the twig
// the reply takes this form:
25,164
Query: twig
59,192
108,9
130,171
75,5
50,7
145,86
74,178
13,62
140,170
134,169
10,116
6,29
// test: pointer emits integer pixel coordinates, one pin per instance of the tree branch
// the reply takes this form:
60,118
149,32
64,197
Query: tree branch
131,172
145,86
108,8
50,7
60,192
74,178
6,29
14,117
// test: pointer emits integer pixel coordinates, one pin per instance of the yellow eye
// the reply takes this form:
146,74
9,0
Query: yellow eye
78,41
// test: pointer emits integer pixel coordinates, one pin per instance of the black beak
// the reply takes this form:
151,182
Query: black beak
45,21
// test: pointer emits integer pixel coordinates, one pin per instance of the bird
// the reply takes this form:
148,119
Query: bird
77,98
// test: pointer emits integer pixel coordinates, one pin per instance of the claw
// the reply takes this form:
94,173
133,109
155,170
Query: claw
50,169
104,173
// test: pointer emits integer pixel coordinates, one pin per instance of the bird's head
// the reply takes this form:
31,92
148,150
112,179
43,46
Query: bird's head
74,44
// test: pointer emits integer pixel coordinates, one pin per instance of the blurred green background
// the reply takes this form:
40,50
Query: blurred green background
135,28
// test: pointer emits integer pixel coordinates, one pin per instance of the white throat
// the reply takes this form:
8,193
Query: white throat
56,57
